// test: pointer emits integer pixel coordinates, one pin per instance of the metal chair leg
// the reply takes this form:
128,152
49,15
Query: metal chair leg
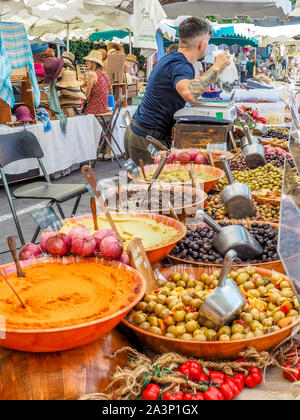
76,206
12,207
60,210
36,233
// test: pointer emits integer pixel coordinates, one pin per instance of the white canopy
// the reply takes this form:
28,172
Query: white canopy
256,9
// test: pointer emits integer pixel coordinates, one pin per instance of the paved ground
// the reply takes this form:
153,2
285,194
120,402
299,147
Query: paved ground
103,170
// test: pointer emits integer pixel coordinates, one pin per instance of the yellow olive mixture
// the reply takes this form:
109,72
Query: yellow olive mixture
173,309
181,175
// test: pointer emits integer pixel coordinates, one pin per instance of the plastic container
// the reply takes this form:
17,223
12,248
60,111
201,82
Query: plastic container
272,112
253,95
111,102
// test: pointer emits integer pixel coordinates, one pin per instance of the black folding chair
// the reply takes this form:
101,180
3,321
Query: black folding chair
108,122
25,145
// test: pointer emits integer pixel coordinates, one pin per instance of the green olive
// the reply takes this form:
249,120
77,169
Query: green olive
173,303
242,278
211,335
170,321
151,306
149,298
186,337
153,320
255,313
292,313
199,337
196,303
139,317
256,325
179,330
145,325
181,283
191,316
288,293
267,322
248,335
142,306
262,291
258,333
191,283
247,317
179,315
187,299
185,277
171,329
158,307
164,312
248,285
191,326
170,285
278,316
161,299
224,337
237,336
274,296
155,330
284,284
254,293
237,329
176,277
169,335
225,330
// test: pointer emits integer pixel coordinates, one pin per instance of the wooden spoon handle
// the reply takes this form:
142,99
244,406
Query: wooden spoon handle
233,142
88,173
13,249
94,212
141,162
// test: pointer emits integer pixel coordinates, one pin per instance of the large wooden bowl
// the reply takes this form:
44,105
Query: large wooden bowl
207,186
182,210
65,338
210,350
154,254
269,265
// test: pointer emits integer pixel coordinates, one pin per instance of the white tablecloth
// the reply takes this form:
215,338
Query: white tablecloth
119,131
61,151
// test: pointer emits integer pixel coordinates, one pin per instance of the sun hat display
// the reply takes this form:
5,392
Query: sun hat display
23,114
95,56
38,48
132,58
39,69
113,46
73,93
69,80
69,59
104,53
69,101
52,67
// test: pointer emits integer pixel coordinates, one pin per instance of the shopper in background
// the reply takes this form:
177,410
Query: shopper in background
251,66
198,69
98,85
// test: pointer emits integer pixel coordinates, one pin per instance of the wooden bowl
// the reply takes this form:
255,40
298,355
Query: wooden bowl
183,210
210,350
154,254
269,265
208,185
265,200
64,338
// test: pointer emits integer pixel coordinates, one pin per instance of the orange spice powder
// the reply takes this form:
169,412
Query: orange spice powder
58,295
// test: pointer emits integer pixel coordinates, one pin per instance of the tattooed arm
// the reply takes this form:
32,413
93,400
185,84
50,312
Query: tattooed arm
192,89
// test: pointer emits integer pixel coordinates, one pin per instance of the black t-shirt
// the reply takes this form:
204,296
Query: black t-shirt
161,100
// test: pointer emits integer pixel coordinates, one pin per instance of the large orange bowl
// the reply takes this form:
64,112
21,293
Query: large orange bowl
275,265
154,254
65,338
210,350
208,185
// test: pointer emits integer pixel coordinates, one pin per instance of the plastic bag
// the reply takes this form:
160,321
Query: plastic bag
229,78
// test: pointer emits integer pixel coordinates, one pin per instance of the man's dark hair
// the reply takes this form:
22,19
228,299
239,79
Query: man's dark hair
193,27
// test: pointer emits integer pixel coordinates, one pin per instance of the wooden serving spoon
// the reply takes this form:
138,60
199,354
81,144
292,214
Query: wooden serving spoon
141,162
11,287
94,212
13,249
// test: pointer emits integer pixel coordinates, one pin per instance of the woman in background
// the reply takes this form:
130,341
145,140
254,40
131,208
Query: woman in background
97,91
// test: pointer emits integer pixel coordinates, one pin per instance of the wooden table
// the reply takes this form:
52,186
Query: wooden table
85,370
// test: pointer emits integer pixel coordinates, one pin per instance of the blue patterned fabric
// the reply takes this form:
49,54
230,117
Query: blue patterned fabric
43,115
15,53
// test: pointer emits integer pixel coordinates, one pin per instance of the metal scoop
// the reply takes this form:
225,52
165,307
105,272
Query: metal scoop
234,237
253,153
225,302
236,197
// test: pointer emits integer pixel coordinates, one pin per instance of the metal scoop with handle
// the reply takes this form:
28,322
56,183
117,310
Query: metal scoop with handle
234,237
254,152
236,196
225,302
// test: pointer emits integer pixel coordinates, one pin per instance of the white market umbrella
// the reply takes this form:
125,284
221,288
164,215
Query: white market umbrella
227,9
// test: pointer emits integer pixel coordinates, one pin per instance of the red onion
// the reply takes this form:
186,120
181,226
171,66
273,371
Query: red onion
58,244
83,246
79,232
110,248
101,234
200,160
44,236
193,153
29,251
125,259
157,160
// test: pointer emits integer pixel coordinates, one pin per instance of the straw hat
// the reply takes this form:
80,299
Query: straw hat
69,102
73,93
69,59
113,46
52,67
104,53
96,56
68,80
132,58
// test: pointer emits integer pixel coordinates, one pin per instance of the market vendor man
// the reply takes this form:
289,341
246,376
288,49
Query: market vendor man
172,83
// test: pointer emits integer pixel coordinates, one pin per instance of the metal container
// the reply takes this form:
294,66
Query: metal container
234,237
253,152
225,302
236,196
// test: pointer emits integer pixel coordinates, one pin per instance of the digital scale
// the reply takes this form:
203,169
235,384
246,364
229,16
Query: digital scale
215,111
